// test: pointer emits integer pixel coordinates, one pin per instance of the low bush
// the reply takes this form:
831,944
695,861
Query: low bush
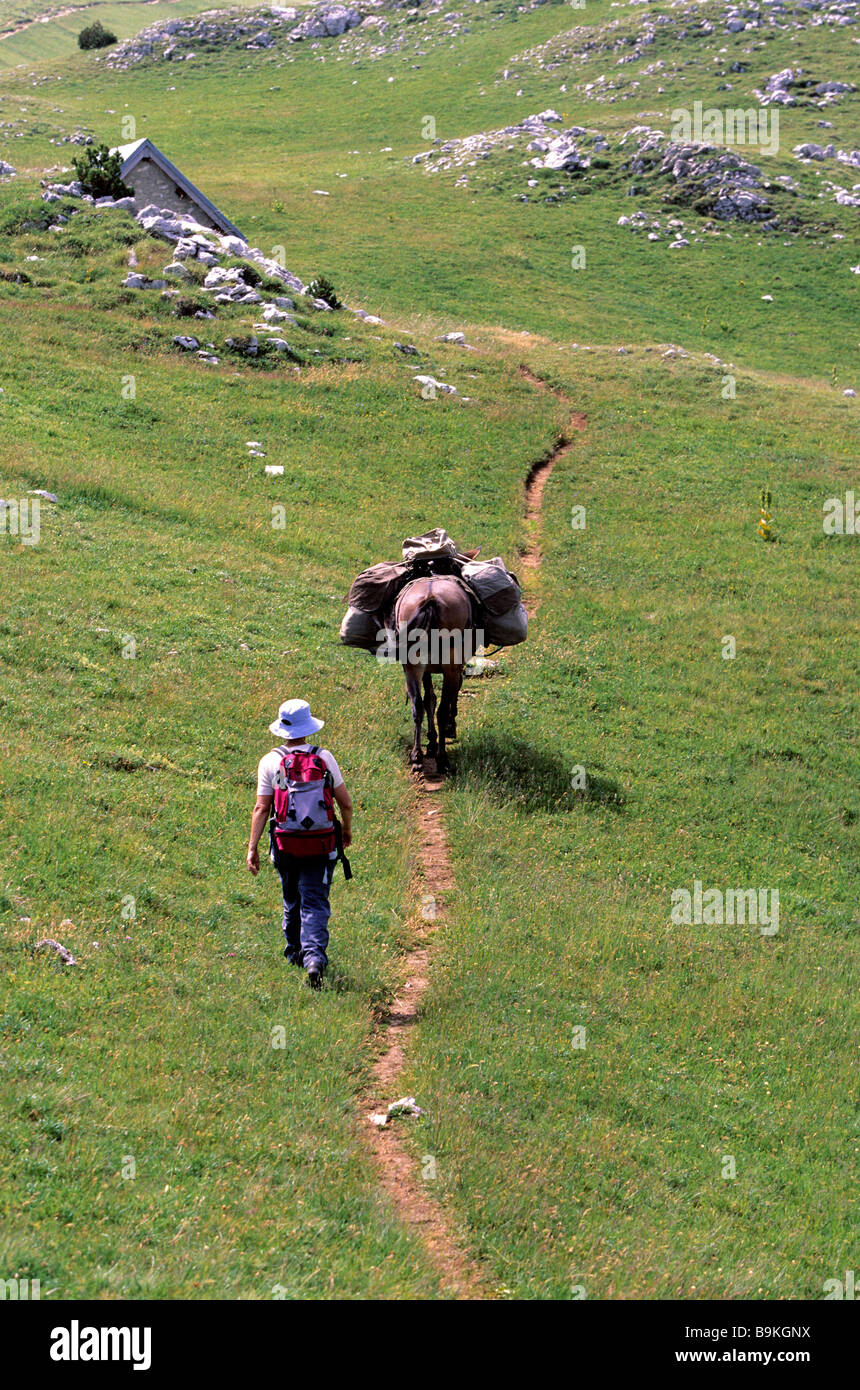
100,173
95,36
321,287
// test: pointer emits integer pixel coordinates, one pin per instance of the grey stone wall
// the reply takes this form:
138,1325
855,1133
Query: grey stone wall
151,185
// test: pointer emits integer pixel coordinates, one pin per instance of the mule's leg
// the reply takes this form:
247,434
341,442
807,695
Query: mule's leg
430,707
456,683
413,687
446,709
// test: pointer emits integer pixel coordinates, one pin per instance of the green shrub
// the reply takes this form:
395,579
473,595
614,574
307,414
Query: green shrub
95,36
321,287
100,173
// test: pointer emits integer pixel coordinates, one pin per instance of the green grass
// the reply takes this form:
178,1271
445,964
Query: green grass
134,777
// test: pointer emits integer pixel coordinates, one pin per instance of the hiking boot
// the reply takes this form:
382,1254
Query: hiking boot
290,958
315,974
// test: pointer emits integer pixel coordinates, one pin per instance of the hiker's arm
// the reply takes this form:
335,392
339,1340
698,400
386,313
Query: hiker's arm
344,801
258,824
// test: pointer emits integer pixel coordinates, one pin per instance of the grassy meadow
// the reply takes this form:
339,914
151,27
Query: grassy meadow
180,1116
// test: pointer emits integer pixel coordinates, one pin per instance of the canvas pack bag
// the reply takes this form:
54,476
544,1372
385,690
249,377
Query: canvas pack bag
435,544
507,629
359,629
496,589
375,590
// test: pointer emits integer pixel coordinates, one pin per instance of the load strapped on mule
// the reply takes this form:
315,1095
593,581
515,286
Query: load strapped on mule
495,594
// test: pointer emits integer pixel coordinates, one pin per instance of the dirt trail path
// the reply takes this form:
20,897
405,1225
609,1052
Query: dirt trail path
434,882
537,478
461,1277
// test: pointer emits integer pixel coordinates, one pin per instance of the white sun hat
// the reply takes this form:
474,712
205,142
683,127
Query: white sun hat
295,720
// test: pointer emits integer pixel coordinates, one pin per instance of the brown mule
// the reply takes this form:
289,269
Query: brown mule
435,633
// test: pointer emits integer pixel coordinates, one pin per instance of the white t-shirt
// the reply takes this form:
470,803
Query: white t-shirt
272,761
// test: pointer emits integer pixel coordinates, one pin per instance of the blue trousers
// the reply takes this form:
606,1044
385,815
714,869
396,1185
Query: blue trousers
306,883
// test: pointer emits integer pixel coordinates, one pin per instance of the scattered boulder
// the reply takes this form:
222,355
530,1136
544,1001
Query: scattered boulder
221,275
432,386
248,347
136,281
563,153
810,151
790,86
234,245
75,189
120,204
327,21
776,89
164,224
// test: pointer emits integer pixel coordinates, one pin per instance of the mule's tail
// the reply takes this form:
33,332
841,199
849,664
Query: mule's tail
424,621
426,617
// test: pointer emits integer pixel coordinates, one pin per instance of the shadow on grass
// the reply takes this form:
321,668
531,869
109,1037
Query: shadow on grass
530,776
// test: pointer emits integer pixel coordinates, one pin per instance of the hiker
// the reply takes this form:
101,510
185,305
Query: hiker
297,787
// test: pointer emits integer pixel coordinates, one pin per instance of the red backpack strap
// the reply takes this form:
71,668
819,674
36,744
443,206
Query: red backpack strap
327,777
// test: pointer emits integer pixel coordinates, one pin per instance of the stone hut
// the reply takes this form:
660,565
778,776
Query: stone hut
155,180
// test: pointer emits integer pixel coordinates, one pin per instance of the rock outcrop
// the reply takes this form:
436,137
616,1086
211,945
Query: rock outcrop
177,40
715,182
552,148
